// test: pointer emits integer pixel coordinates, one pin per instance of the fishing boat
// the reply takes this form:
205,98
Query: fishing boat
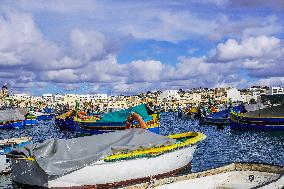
6,146
40,116
80,122
115,157
30,119
222,117
235,175
188,113
271,118
11,119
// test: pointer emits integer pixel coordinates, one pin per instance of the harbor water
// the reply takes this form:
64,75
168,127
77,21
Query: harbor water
221,147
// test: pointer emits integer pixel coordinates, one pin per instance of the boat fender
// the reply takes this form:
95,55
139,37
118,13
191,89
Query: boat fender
82,115
134,116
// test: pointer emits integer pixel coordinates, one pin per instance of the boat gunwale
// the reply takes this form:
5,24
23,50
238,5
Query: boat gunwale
238,119
238,166
154,151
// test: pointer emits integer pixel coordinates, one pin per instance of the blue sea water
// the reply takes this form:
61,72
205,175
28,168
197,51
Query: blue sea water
221,147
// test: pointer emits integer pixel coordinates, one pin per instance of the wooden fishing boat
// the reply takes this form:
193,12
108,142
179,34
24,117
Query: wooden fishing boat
6,146
235,175
44,116
222,117
14,124
188,113
30,120
266,119
11,119
118,167
81,123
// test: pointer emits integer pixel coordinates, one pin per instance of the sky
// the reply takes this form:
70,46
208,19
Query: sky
128,46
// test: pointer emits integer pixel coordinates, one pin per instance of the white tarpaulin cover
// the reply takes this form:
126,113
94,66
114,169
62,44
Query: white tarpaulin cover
60,156
11,115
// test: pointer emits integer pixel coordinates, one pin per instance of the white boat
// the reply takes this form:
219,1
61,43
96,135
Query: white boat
6,145
235,175
117,167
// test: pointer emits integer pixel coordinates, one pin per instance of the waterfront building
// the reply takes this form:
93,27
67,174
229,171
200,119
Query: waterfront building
58,98
234,95
275,90
48,97
169,95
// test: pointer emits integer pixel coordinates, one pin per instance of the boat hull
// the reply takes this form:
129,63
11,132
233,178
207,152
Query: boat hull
4,165
6,146
220,121
30,122
45,117
28,172
255,123
12,125
89,127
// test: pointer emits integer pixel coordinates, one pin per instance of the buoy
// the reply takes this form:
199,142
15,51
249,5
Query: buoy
136,117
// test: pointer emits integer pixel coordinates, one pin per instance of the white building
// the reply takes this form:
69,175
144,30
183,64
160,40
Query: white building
169,95
234,95
21,96
48,97
101,96
276,90
58,98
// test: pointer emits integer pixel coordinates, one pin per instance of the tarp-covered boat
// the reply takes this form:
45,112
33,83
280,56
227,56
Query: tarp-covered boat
222,117
81,123
271,118
6,146
102,159
11,118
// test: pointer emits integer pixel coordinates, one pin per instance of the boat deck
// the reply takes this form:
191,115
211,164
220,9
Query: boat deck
235,175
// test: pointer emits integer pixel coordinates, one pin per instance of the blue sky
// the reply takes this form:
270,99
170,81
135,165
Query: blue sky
127,47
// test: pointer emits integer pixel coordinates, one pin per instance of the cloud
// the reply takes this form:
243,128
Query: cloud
272,81
65,75
170,21
90,45
54,6
22,43
261,56
252,47
145,71
275,4
246,26
245,47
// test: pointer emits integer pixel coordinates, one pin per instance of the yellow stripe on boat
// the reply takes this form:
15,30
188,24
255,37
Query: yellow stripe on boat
160,150
243,115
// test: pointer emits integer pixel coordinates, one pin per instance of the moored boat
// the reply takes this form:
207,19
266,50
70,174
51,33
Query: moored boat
30,119
235,175
189,113
271,118
222,117
6,146
43,116
103,159
11,119
80,122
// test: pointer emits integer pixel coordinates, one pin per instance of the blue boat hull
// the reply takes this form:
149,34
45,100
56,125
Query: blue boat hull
215,121
13,125
222,117
100,127
254,123
45,117
31,122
